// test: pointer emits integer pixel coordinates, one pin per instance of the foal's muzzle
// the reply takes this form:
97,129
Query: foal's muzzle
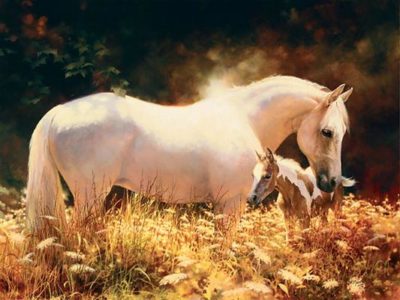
253,200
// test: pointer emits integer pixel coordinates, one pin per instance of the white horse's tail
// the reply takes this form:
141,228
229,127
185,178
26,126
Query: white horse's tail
44,200
348,182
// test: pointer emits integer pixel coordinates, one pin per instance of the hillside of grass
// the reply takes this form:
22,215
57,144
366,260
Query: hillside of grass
146,250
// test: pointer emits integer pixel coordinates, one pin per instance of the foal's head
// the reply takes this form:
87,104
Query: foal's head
264,177
320,138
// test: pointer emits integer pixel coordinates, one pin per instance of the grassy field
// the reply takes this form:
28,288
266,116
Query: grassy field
150,251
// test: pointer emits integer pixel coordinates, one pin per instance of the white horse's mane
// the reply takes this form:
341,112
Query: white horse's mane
293,79
289,80
337,108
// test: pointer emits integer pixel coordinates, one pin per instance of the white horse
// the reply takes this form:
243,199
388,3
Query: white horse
199,152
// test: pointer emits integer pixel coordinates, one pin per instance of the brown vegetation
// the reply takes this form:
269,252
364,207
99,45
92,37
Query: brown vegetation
148,252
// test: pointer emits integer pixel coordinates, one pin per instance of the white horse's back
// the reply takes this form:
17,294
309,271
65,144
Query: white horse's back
191,151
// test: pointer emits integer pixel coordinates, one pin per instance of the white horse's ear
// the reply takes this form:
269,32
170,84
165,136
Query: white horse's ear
346,94
332,96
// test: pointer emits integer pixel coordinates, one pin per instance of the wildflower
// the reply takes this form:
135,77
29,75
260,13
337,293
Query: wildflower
173,278
356,286
262,256
184,219
289,276
311,277
377,283
330,284
16,237
343,245
258,287
203,222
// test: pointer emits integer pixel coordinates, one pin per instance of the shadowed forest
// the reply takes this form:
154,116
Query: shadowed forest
175,53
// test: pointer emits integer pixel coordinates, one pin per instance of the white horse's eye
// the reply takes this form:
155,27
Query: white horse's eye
327,133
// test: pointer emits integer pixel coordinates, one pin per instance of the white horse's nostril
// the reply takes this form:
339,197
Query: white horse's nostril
333,182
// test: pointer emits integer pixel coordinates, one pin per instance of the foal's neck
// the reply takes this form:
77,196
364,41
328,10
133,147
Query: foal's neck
292,183
287,177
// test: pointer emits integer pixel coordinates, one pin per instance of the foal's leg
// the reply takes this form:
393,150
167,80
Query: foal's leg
283,206
324,215
305,222
289,227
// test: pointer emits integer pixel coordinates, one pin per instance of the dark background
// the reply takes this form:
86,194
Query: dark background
170,51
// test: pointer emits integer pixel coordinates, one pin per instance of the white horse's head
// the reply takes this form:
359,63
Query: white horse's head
264,174
320,137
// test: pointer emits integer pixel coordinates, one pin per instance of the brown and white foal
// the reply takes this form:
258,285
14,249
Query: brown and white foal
299,197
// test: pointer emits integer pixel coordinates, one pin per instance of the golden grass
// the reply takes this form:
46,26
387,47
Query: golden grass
152,252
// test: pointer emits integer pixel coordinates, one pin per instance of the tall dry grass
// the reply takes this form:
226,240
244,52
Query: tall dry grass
152,251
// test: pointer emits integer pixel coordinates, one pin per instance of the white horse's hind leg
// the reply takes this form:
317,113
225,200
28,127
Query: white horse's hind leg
89,200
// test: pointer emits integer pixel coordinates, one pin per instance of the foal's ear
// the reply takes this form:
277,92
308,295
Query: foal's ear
270,156
332,96
346,94
260,157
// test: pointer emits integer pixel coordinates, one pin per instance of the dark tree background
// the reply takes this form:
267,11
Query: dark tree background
169,51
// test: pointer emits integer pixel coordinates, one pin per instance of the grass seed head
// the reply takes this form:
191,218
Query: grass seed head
173,278
46,243
81,269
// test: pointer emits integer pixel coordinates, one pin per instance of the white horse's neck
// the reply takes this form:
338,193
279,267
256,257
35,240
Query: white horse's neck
276,106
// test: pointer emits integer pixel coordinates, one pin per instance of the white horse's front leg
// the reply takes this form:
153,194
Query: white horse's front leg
231,209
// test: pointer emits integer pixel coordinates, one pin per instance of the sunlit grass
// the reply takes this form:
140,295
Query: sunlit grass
148,250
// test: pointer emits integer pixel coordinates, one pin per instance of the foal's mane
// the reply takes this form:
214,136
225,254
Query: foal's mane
290,163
